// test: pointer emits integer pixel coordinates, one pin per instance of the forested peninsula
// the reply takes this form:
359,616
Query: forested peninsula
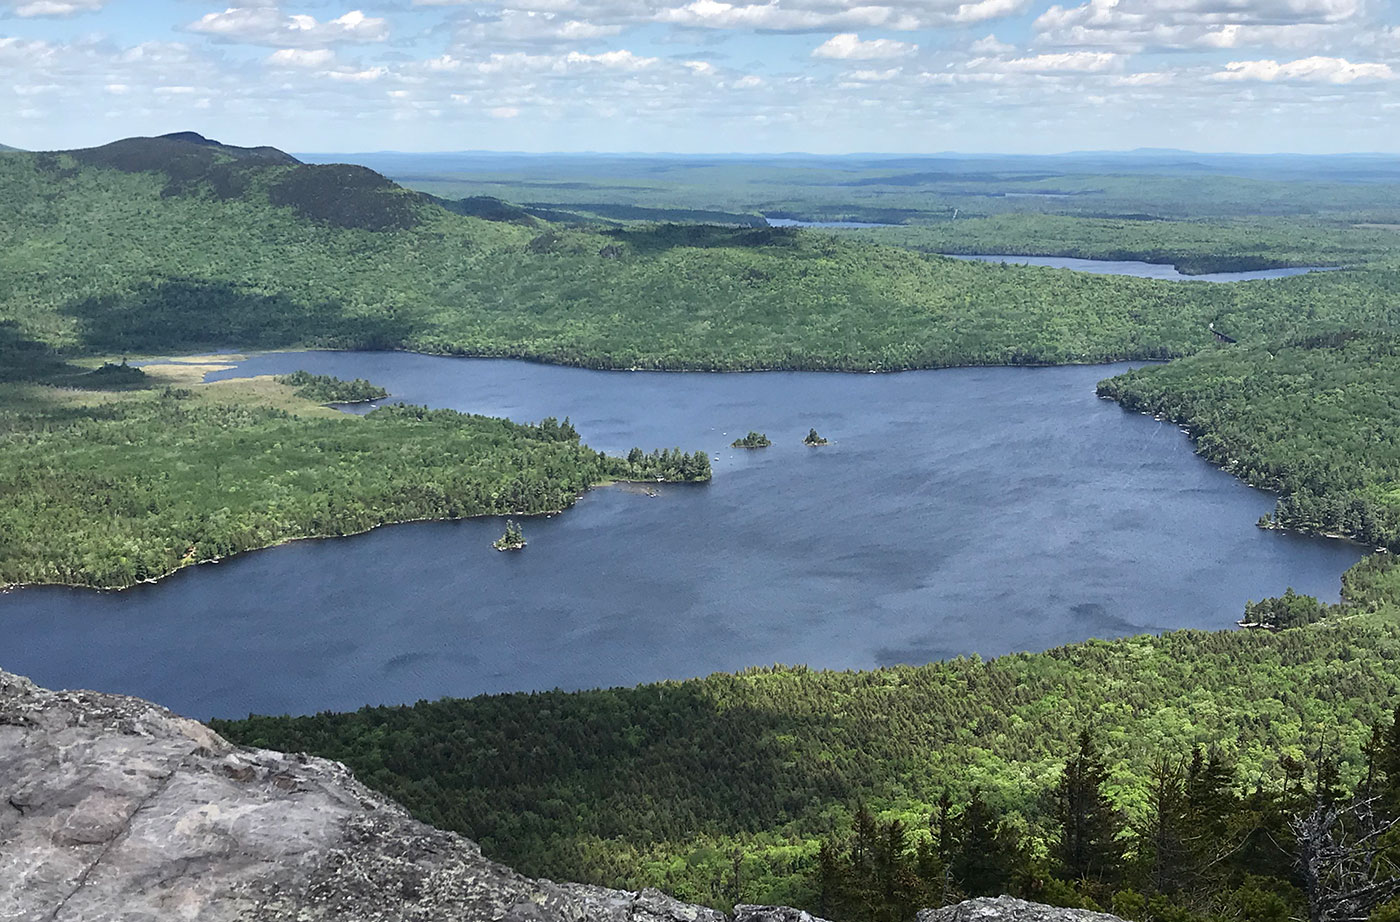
110,488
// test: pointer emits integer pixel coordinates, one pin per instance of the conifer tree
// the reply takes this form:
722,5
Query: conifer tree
1088,846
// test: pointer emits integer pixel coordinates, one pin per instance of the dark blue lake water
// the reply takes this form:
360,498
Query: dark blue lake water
970,510
1139,269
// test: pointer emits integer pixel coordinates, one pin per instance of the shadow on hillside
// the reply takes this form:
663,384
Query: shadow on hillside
668,236
31,361
534,776
193,314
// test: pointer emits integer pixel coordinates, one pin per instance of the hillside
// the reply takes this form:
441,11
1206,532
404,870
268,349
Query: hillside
168,244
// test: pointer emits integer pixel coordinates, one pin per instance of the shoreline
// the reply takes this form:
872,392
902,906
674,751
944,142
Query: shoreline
7,588
1080,362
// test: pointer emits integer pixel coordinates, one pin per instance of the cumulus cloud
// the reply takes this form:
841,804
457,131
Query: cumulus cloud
268,25
28,9
301,57
1306,70
848,47
989,45
982,10
776,17
1134,25
1082,62
526,27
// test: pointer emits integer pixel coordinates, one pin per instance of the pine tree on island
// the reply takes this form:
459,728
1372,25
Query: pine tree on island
512,540
813,439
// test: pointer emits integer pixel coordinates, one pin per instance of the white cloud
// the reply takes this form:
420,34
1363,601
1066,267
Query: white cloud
1306,70
268,25
989,45
1134,25
873,76
37,8
1066,62
518,26
1145,78
504,112
848,47
356,76
616,60
775,17
982,10
301,57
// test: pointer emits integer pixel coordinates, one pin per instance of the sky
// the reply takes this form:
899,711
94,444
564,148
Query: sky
711,76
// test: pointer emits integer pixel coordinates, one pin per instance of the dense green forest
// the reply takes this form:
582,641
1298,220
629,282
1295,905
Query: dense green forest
326,389
1314,418
723,789
145,247
108,488
1193,246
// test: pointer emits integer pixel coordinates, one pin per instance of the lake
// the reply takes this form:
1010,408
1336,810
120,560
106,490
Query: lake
956,511
1139,269
839,225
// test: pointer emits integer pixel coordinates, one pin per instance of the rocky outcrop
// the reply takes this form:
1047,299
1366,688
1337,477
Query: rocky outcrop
112,808
1010,909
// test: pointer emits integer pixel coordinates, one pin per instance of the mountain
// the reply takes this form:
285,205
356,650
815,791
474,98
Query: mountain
121,810
337,194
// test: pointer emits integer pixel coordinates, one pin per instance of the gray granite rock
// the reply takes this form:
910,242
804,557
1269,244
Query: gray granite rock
112,808
1010,909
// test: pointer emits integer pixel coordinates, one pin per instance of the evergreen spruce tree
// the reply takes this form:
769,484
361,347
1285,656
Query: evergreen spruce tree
987,851
1087,846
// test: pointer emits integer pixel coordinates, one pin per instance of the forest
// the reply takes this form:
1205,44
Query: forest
861,794
108,255
110,488
1315,418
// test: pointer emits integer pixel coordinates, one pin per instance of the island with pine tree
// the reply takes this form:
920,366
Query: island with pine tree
813,439
752,440
512,540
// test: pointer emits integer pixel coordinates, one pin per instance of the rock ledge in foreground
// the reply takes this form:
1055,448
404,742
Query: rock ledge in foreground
112,808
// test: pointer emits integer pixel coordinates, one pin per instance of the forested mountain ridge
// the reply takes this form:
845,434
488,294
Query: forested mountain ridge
158,245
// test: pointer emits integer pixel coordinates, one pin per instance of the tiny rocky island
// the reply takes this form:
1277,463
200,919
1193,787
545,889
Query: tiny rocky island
512,540
752,440
813,439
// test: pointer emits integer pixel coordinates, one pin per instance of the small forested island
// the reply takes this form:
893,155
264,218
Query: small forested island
813,439
512,540
752,440
330,389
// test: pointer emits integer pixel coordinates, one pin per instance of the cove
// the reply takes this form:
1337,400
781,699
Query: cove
980,510
1138,269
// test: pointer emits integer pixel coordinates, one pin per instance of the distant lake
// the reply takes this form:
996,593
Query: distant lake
1139,269
839,225
968,510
